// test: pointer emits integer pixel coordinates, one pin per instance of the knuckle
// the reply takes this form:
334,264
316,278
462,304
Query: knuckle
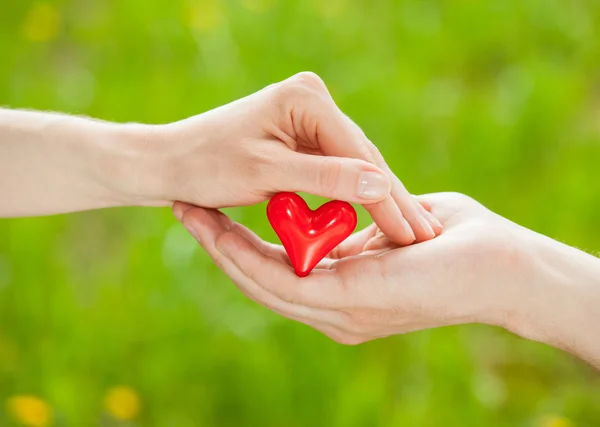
293,89
263,158
258,162
284,94
310,79
302,84
329,175
290,95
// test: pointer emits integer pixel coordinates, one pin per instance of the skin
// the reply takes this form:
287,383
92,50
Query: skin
481,269
290,136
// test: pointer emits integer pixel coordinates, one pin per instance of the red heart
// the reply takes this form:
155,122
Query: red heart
308,235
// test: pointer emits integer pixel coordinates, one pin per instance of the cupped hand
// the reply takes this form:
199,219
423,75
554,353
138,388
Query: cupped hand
369,287
290,136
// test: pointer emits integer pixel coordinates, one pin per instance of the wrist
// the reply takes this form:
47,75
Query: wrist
130,166
559,298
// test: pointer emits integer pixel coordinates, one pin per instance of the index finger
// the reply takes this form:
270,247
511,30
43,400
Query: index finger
315,117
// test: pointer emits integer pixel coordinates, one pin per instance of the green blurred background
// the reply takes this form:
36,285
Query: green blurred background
117,317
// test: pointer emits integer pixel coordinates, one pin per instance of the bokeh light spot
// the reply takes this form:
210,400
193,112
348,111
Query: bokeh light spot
31,411
122,402
42,23
203,15
555,421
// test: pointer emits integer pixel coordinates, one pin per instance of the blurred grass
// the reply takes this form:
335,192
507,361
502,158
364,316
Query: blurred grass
497,99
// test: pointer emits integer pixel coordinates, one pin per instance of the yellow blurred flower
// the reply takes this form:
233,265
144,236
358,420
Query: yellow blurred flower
42,23
555,421
203,15
122,402
30,411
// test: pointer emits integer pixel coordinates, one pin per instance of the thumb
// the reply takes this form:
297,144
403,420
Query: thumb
351,180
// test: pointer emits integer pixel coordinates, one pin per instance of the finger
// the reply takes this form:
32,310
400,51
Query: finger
272,250
354,244
412,227
424,224
207,227
424,227
436,225
378,243
321,289
352,180
315,118
445,205
425,203
328,322
384,214
179,209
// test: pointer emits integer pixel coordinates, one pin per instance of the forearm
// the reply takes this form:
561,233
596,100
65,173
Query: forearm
54,163
562,307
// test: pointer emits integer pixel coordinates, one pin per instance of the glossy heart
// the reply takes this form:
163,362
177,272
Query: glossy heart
308,235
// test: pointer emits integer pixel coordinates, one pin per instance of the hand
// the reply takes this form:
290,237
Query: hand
483,268
288,137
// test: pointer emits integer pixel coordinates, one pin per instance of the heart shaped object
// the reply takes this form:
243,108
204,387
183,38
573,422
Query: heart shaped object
307,235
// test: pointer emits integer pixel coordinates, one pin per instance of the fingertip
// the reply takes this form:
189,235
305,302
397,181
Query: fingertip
433,222
193,215
426,204
404,235
204,225
424,231
415,214
179,209
409,233
391,222
436,226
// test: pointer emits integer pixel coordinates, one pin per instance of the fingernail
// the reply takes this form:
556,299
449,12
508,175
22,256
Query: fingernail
433,219
224,220
429,216
178,213
408,230
425,224
372,186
